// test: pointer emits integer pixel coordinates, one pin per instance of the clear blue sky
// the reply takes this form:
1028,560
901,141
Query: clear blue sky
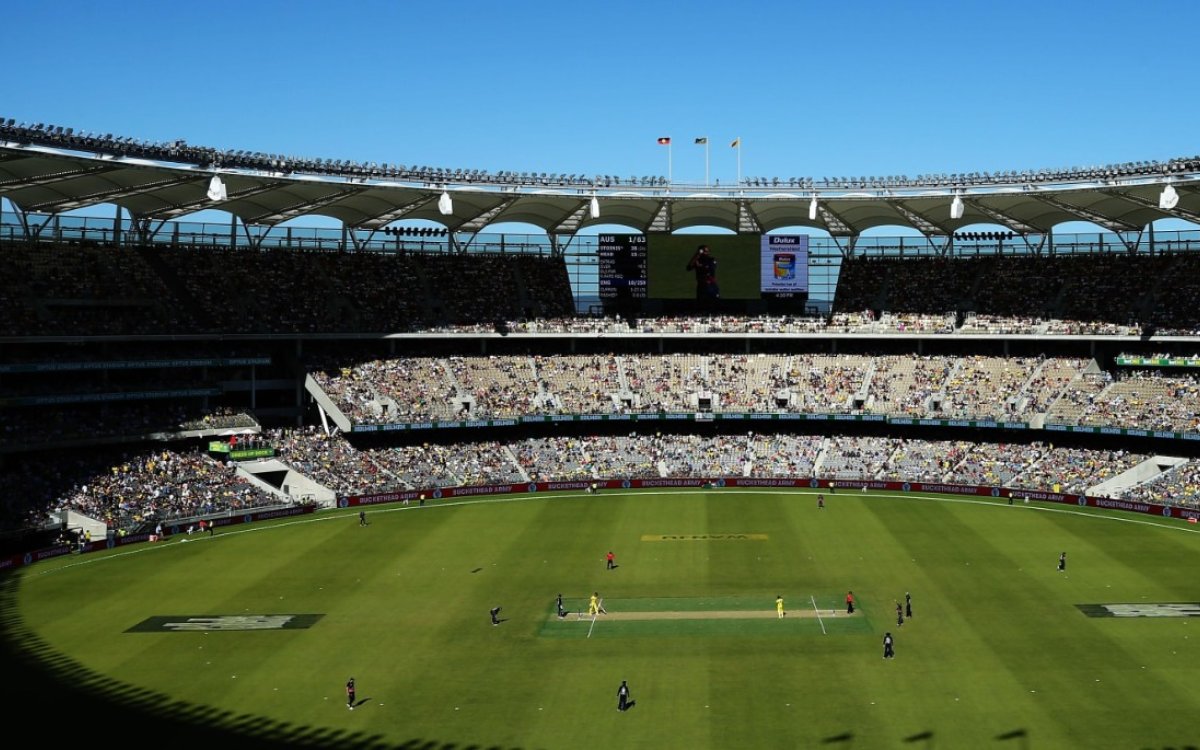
812,89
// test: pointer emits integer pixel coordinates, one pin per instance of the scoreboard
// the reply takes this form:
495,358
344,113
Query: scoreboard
622,261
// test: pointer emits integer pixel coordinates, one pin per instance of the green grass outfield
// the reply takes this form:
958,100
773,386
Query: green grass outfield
997,654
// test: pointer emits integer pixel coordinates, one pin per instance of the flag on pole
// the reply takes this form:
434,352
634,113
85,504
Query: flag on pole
702,141
664,141
736,142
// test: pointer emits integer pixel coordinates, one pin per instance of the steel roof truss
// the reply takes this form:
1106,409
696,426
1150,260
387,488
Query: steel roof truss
1177,212
43,179
573,220
834,224
113,193
302,208
1113,225
181,209
923,225
1001,218
747,219
661,221
485,218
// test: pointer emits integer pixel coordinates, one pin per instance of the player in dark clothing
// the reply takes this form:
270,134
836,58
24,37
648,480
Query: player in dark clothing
350,693
495,612
561,612
849,602
908,605
1062,561
362,518
899,615
705,266
820,501
623,696
888,651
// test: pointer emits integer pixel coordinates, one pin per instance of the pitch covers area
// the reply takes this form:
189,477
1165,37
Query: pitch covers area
247,638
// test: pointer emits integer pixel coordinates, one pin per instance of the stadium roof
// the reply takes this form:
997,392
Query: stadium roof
51,173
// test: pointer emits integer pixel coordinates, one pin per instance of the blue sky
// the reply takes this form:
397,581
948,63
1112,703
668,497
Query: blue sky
812,89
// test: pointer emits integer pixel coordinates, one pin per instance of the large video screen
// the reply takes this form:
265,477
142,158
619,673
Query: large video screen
729,267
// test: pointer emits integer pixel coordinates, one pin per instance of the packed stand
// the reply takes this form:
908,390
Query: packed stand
995,465
500,386
1075,471
853,457
1137,400
1067,390
924,460
130,490
386,391
586,458
904,385
702,456
985,387
782,455
1177,486
83,291
331,461
579,384
163,486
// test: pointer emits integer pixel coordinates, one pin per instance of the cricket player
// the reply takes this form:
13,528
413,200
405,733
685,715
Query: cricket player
594,604
779,607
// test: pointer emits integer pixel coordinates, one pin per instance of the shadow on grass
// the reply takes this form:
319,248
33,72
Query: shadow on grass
57,695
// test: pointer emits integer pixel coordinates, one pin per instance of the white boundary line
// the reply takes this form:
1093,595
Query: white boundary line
814,603
589,635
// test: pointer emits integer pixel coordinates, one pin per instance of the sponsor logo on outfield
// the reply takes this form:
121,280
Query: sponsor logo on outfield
209,623
1142,609
703,537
